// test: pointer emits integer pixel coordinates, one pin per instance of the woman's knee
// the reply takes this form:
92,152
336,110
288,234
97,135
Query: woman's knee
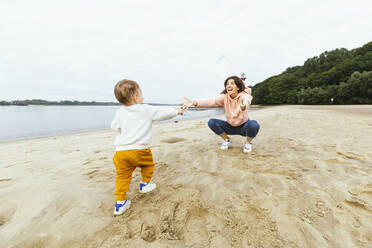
254,125
212,123
216,126
251,128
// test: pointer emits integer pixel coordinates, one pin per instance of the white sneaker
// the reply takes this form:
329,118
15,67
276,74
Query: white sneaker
147,187
120,207
247,147
226,144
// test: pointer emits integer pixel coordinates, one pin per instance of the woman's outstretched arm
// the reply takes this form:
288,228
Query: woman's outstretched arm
205,103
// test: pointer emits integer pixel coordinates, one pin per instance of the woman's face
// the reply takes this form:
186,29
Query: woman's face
231,87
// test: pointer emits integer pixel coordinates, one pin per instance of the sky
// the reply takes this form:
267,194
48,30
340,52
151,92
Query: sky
78,50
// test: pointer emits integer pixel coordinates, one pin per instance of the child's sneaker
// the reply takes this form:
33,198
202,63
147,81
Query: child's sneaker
147,187
247,147
226,144
121,206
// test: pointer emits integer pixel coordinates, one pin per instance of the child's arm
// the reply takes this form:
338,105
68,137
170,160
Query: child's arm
163,113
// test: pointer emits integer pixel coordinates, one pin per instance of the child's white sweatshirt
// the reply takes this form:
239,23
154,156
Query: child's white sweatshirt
134,124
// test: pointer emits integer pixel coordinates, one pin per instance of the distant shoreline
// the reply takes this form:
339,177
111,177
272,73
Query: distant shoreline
40,102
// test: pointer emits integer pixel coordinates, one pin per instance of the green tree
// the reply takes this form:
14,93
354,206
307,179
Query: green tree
320,78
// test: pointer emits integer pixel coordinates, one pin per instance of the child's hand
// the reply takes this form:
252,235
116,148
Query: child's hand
180,111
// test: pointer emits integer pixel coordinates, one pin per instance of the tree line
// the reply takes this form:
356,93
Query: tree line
339,76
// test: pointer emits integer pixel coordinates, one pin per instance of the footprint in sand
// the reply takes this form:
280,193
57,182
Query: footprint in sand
71,151
335,161
162,164
91,172
357,223
360,197
7,214
351,155
31,151
173,140
366,189
88,161
148,233
5,179
358,202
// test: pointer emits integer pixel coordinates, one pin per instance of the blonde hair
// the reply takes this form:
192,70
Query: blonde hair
125,90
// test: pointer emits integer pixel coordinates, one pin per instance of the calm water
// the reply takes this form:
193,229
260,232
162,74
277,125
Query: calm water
18,122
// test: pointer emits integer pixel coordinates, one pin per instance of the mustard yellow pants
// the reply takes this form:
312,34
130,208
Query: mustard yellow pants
125,163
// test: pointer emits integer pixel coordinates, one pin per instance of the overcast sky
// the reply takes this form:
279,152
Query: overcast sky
78,50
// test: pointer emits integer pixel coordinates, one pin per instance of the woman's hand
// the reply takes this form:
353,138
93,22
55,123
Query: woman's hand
243,103
189,103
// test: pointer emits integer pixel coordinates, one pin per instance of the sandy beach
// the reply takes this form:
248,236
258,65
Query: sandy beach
307,183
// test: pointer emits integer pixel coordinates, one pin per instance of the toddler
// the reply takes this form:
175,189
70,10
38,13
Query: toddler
133,121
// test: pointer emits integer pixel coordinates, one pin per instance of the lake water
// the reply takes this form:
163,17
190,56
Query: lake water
17,122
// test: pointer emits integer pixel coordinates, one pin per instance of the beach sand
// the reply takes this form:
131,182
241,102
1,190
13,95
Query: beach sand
307,183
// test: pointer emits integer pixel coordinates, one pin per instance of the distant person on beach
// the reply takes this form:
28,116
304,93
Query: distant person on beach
247,89
236,101
133,121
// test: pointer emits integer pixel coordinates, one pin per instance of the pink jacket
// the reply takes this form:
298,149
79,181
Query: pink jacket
234,115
